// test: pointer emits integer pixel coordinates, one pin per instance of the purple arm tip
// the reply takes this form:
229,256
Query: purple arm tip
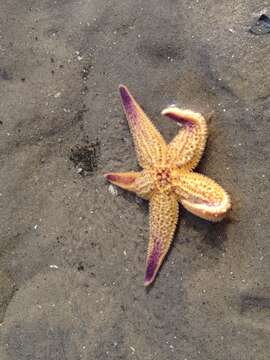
179,119
129,105
149,274
125,96
152,264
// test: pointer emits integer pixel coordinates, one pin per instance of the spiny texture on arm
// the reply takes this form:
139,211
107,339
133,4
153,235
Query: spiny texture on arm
163,219
202,196
149,144
188,145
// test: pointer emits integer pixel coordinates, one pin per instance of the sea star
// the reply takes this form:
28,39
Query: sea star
167,177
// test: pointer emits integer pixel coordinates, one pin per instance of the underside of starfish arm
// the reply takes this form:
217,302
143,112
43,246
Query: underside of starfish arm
149,144
187,147
202,196
139,182
163,219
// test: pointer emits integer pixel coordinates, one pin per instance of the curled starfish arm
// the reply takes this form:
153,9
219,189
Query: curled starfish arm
149,144
202,196
163,219
187,147
139,182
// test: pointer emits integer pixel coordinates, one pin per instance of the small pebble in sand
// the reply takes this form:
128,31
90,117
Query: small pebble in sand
54,266
113,190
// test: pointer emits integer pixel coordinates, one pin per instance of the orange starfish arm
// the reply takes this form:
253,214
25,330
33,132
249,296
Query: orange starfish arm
188,145
149,144
139,182
202,196
163,219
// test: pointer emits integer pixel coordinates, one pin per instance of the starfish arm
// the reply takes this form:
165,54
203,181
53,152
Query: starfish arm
139,182
163,219
149,144
187,147
202,196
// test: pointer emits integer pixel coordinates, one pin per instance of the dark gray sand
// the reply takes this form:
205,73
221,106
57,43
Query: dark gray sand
72,248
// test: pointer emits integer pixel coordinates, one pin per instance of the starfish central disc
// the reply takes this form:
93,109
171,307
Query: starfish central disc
163,179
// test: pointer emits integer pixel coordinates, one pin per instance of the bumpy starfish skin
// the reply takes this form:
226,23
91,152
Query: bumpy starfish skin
167,177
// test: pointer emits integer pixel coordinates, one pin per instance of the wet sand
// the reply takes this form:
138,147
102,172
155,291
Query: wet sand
72,249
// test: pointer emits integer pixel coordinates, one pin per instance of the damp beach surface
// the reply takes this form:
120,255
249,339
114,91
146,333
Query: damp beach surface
72,247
